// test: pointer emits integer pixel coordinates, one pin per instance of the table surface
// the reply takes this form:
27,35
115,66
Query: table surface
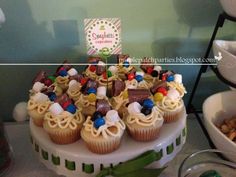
26,163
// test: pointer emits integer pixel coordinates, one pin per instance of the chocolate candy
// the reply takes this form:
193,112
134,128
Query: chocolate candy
156,85
52,96
109,73
92,68
71,108
148,103
162,90
139,78
96,115
40,97
138,95
146,111
40,77
131,76
56,109
92,97
72,72
158,96
63,98
170,78
154,73
91,84
126,64
63,73
117,87
101,91
112,116
134,108
103,106
38,86
146,63
48,82
99,122
149,70
91,90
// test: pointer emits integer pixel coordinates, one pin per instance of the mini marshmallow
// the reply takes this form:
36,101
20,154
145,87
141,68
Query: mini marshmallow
141,73
134,108
157,68
178,78
56,109
173,94
72,82
38,86
129,60
112,116
40,97
101,63
72,72
101,91
113,69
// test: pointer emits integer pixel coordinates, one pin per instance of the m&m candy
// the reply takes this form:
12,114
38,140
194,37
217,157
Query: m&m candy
52,96
52,78
170,78
139,78
92,68
63,73
99,122
125,94
71,108
126,64
146,111
92,90
162,90
92,97
148,103
66,104
83,81
149,70
158,96
154,73
48,82
109,73
104,75
96,115
131,76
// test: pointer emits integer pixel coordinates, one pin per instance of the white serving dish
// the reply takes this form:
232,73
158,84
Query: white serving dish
170,142
227,65
229,7
216,108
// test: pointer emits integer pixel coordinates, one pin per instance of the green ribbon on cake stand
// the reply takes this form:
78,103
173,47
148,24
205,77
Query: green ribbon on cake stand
134,167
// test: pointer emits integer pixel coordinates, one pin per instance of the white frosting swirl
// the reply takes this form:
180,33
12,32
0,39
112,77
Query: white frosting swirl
64,120
132,84
114,129
178,86
40,107
156,117
168,104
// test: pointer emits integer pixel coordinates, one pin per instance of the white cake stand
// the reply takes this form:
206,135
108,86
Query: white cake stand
75,159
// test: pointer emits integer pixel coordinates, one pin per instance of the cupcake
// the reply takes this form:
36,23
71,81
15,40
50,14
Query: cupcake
37,107
168,100
74,90
63,127
124,66
144,121
151,71
93,70
102,134
176,83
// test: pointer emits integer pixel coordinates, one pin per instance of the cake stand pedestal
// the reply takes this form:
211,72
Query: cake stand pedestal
75,159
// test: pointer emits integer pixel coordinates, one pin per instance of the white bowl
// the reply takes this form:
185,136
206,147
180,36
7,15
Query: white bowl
229,7
227,65
216,108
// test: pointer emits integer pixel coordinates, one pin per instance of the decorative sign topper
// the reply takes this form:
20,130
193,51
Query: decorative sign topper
103,34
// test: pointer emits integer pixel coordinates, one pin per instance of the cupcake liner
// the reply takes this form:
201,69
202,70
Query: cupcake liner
36,117
144,134
172,116
100,145
62,136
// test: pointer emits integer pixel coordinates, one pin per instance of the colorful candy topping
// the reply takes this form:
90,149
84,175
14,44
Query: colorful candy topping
170,78
126,64
158,96
148,103
92,68
56,109
71,108
91,90
139,78
96,115
63,73
162,90
131,76
52,96
99,122
92,97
